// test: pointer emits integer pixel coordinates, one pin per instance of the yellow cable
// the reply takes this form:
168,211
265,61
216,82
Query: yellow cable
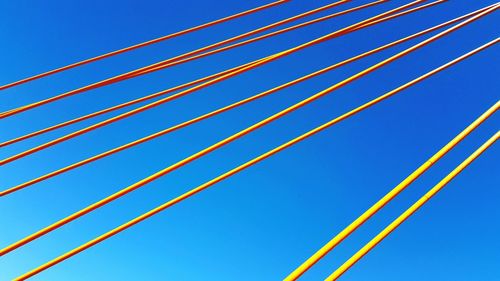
393,193
229,139
364,23
410,211
223,109
238,169
233,137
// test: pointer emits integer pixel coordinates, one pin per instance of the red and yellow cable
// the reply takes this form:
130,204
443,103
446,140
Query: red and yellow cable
240,134
165,63
234,171
186,85
224,109
363,24
144,44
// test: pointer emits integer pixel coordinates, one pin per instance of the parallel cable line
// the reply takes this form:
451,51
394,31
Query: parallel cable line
147,43
351,28
410,211
238,169
123,105
165,63
235,136
224,109
110,109
390,195
264,36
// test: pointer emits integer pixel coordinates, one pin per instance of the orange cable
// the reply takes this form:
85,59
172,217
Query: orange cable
232,172
145,69
363,24
377,206
220,110
119,106
150,42
110,109
241,133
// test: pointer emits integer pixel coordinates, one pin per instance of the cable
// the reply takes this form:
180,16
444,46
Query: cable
229,139
232,172
410,211
110,109
144,70
223,109
362,24
394,192
264,36
123,105
150,42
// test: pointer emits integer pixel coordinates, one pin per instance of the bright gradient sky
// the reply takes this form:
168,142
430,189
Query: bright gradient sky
265,221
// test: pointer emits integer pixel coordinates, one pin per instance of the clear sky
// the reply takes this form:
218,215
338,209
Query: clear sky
265,221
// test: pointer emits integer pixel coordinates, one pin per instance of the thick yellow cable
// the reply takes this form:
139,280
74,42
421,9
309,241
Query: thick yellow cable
223,109
393,193
236,170
410,211
229,139
362,24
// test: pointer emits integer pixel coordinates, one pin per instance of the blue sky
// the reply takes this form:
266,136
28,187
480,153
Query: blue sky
263,222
